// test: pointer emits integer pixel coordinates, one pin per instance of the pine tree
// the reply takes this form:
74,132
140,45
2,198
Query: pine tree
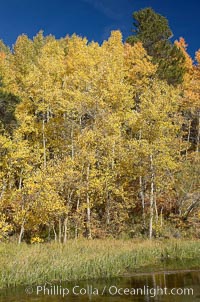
153,30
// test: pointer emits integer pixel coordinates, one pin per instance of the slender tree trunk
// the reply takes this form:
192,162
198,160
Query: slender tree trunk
55,234
65,230
44,142
65,224
142,191
188,138
155,206
60,230
21,232
142,196
151,198
108,193
113,157
20,183
161,217
72,141
180,145
2,191
89,233
48,114
49,233
198,134
108,209
76,231
76,224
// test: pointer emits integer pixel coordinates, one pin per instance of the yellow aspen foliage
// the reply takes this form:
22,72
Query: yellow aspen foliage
95,143
191,78
139,65
5,227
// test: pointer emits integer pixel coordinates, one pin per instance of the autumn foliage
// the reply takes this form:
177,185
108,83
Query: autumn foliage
93,143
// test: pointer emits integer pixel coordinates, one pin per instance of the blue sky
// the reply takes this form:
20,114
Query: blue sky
94,19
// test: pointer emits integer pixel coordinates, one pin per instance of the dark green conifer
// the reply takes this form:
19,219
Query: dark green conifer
153,30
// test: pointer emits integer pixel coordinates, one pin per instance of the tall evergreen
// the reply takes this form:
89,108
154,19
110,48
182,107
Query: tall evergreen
152,29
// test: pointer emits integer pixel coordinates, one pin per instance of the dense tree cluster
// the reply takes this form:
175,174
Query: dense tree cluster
94,142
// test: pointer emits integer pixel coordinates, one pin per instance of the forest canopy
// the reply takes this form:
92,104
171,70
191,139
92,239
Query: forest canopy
98,140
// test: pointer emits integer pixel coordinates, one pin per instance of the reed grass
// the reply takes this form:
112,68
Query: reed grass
83,259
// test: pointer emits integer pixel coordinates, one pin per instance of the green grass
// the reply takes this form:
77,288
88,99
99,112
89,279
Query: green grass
92,259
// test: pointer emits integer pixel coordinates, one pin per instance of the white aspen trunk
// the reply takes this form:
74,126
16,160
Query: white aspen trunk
161,217
180,144
76,224
44,143
72,142
113,156
188,138
20,183
2,191
65,230
155,206
60,230
89,233
20,180
108,209
21,232
80,123
65,224
48,114
55,234
108,204
142,196
151,198
142,193
198,134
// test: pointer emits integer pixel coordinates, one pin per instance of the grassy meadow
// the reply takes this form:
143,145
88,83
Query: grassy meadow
91,259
